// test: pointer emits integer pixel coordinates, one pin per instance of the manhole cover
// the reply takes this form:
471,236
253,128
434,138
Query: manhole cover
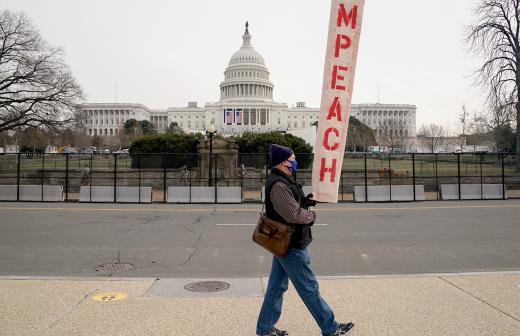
110,296
114,268
207,286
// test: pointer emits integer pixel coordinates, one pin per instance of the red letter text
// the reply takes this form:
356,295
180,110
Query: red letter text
331,170
337,77
345,45
335,110
350,18
326,139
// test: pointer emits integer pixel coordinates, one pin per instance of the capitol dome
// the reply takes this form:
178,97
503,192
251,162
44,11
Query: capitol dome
247,75
247,55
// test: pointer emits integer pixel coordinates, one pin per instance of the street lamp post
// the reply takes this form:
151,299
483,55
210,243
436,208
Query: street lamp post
210,133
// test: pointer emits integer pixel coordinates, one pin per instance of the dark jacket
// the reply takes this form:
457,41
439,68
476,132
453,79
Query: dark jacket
302,235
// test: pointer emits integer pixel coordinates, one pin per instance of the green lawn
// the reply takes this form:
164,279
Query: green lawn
424,164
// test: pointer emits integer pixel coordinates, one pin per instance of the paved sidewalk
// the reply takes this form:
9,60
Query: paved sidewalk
443,304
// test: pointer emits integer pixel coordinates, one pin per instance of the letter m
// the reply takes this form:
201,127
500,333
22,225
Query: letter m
350,18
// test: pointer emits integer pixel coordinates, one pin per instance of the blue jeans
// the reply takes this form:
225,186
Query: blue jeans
295,266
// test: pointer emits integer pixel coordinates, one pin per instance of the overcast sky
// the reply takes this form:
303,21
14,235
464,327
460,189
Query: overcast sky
164,53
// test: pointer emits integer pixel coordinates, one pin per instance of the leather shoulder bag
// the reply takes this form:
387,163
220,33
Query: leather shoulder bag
274,236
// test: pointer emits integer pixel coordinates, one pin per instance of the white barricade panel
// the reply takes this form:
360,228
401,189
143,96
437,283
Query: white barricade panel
229,195
378,194
471,191
494,191
449,192
202,194
359,194
178,195
8,192
39,193
131,195
403,193
100,194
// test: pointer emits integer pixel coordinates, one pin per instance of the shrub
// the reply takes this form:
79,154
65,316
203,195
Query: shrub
183,147
256,143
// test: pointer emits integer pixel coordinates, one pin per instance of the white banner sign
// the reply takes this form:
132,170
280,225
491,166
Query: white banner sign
340,66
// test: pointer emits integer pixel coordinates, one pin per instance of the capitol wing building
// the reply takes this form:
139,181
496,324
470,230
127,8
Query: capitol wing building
246,104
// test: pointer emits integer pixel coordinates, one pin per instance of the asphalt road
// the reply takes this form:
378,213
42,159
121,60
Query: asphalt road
215,241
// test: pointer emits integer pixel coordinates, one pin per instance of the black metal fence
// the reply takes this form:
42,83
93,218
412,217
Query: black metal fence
159,176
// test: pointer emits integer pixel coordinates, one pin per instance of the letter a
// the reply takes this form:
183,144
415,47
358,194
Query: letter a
350,18
335,110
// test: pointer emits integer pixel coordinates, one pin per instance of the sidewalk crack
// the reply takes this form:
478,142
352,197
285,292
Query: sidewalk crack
481,300
85,297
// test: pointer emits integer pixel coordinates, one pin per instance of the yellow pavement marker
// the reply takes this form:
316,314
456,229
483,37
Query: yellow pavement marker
110,296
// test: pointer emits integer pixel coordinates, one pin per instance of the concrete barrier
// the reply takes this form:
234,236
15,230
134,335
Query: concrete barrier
178,195
131,195
471,191
7,192
229,195
105,194
204,195
197,195
400,193
34,193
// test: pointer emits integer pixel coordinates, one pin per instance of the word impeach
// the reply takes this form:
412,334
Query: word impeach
340,65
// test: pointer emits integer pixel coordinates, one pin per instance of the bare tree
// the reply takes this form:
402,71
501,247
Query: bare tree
37,88
394,136
496,37
431,136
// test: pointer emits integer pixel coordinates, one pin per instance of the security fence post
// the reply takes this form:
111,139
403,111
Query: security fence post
115,177
189,172
458,174
481,178
18,177
216,177
66,177
503,176
366,180
390,175
437,175
139,175
90,177
413,176
164,177
241,178
43,171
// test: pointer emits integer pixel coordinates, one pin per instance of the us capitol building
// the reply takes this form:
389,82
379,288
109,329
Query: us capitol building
246,104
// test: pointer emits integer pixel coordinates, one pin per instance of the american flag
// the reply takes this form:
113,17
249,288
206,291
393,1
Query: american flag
238,117
228,117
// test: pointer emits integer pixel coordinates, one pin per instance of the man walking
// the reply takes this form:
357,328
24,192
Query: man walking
285,202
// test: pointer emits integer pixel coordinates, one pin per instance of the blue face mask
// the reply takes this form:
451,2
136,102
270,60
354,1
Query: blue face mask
294,166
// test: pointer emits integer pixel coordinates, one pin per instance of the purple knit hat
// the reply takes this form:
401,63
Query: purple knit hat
279,154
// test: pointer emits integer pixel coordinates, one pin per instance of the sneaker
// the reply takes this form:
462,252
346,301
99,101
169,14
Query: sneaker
344,329
276,332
